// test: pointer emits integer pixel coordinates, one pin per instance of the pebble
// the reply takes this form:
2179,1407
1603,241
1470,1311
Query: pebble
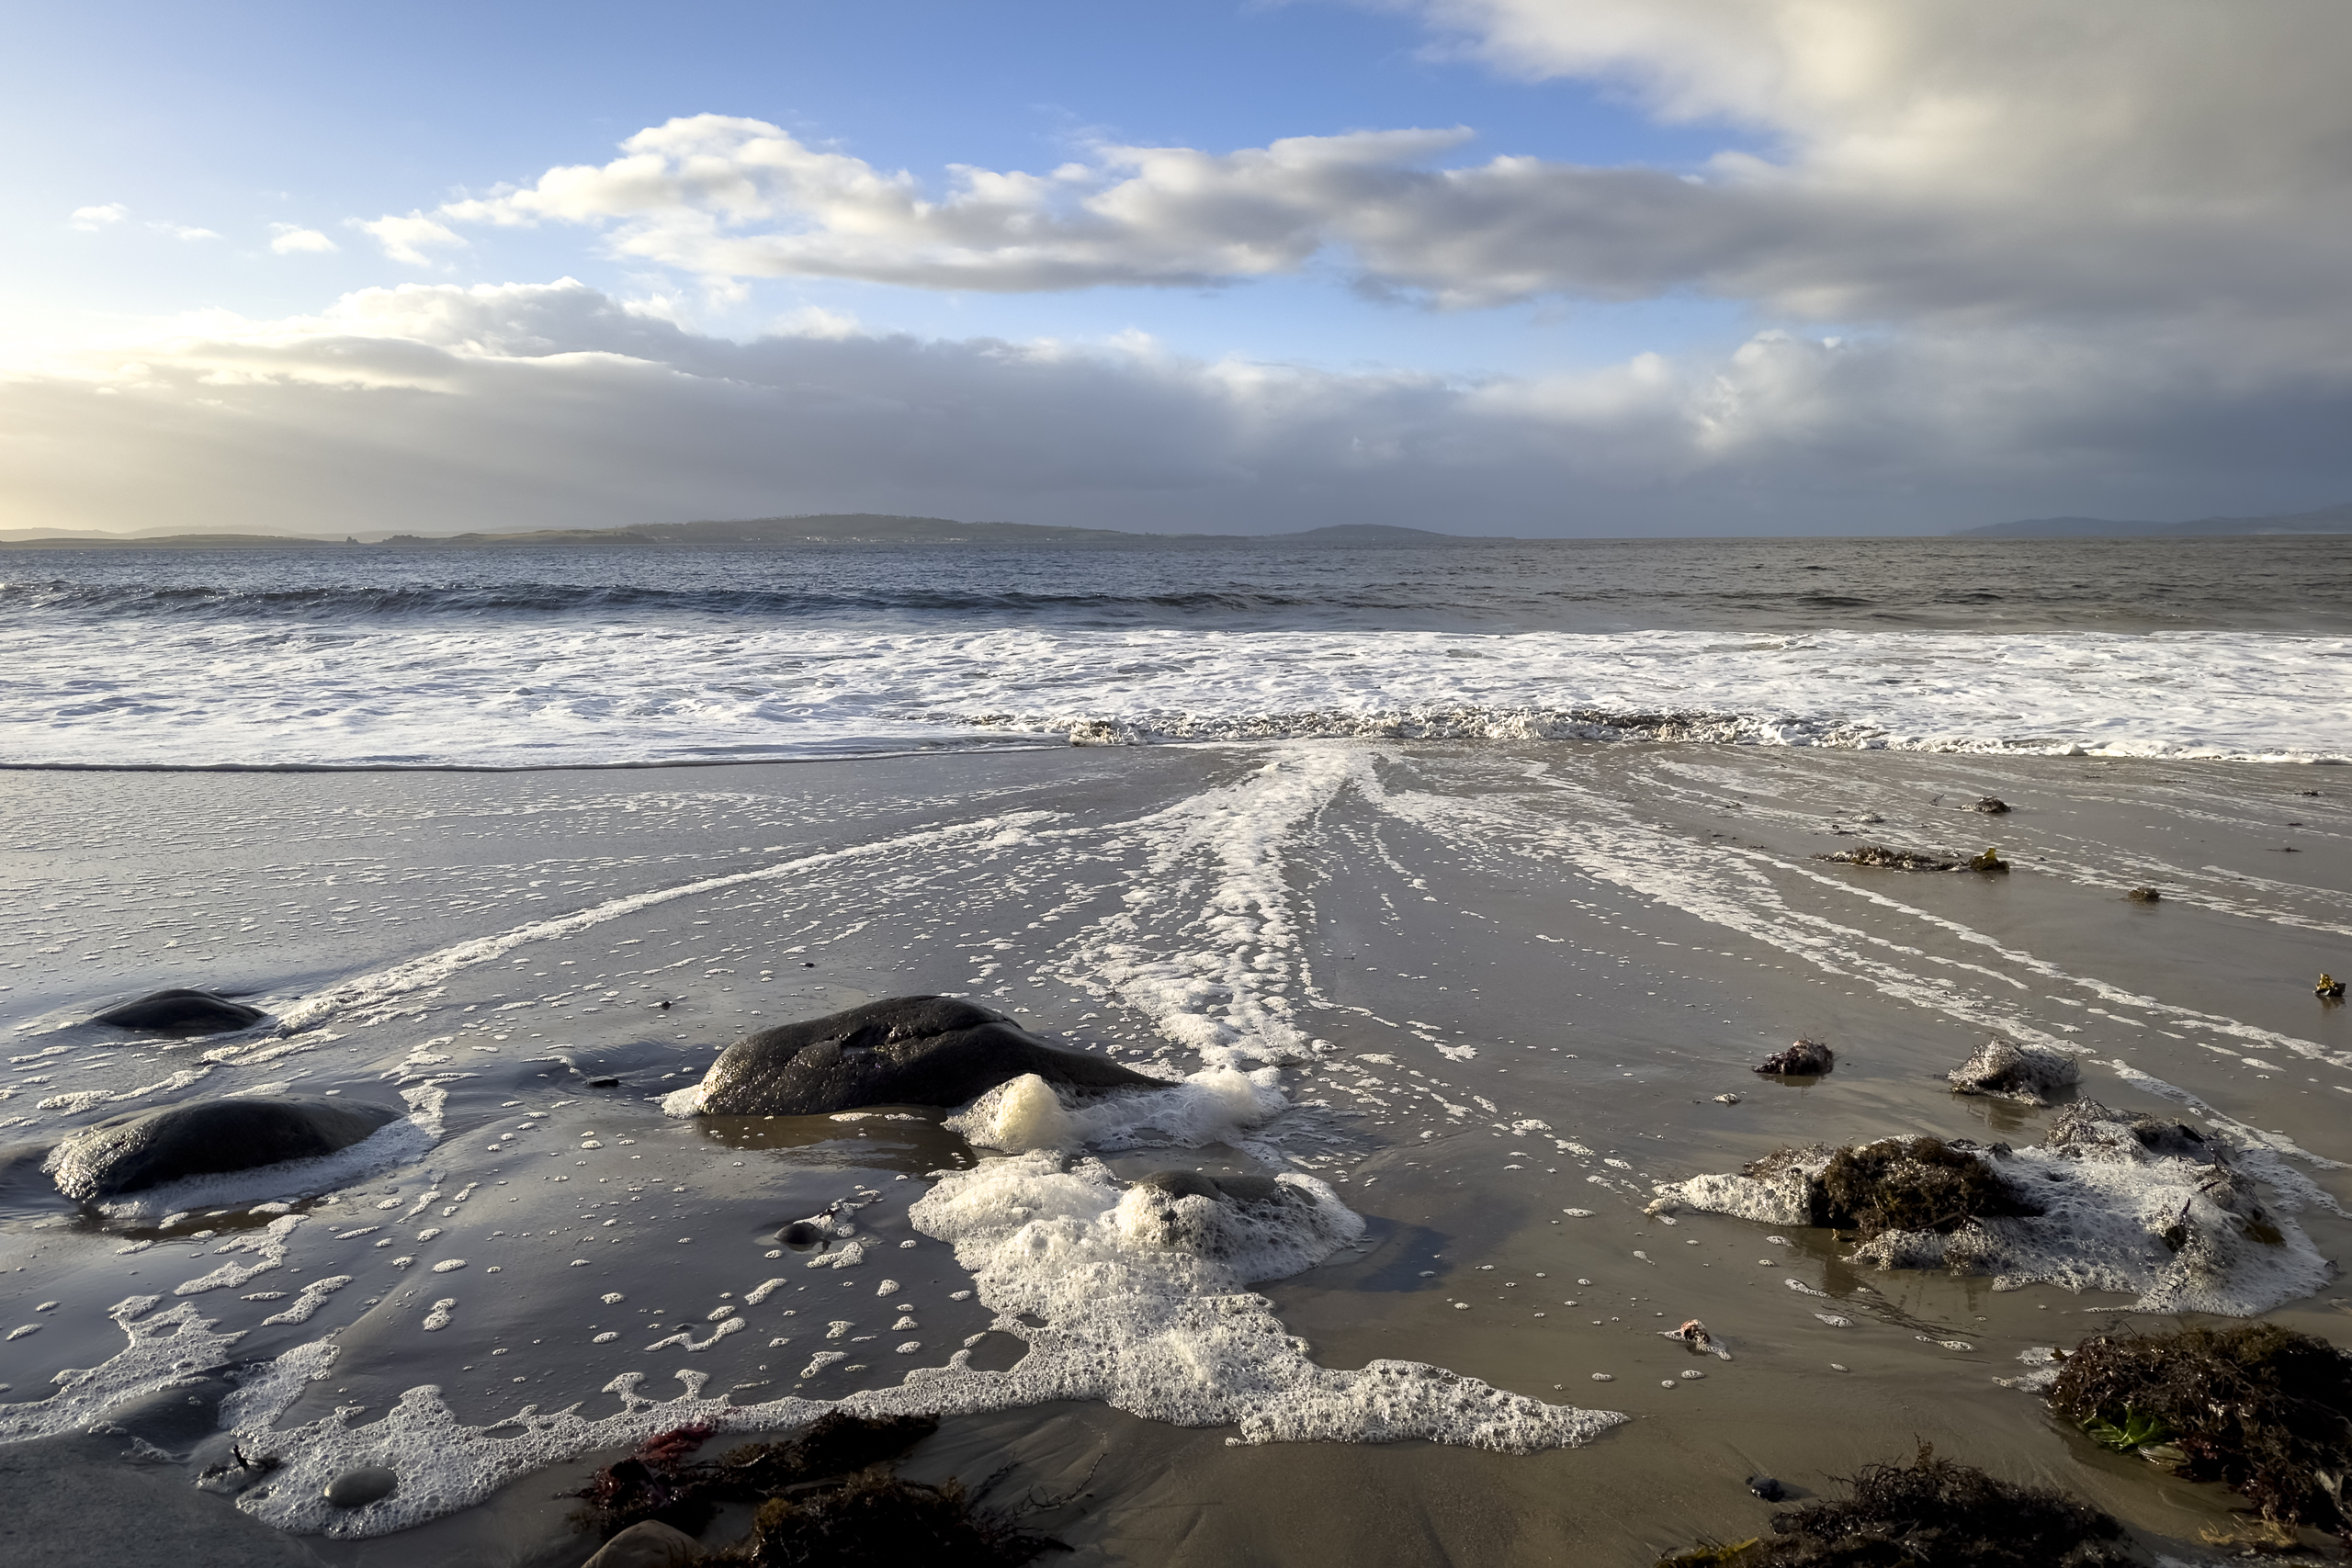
1604,1377
650,1544
357,1488
1766,1487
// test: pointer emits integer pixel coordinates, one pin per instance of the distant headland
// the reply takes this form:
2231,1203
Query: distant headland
830,528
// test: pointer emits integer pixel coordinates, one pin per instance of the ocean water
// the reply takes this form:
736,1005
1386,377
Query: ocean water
375,658
1479,882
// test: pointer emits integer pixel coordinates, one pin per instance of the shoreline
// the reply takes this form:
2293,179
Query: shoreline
1516,901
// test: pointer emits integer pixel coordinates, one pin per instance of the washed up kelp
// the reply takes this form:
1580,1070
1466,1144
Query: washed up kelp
2109,1202
827,1496
1887,858
2263,1410
1930,1512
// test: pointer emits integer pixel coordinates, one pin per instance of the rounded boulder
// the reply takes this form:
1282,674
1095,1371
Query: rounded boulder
936,1051
211,1137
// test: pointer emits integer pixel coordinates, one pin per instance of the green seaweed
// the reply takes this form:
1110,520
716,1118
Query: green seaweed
2264,1410
2136,1431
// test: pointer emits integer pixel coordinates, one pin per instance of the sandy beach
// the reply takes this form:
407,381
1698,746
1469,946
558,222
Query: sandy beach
1518,980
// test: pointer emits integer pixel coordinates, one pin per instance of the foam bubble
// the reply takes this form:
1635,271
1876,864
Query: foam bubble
2182,1233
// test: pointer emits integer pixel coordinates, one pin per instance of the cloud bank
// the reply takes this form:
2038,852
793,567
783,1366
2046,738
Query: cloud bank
440,408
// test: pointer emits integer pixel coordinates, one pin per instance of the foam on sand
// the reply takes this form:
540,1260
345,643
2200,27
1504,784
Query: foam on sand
2131,1205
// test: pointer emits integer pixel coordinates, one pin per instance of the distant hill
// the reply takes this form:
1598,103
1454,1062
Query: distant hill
2326,520
831,528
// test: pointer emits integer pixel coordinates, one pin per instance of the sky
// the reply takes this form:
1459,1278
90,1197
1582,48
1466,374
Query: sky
1545,268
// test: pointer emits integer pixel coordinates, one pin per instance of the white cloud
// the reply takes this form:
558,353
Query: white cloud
405,239
183,232
1963,160
91,219
287,238
554,406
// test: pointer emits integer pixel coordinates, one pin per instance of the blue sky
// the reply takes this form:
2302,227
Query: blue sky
1691,265
235,118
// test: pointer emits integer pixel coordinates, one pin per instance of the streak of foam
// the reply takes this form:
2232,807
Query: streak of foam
1209,941
376,994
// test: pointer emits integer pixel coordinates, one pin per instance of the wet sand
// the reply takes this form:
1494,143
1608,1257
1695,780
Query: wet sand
1492,957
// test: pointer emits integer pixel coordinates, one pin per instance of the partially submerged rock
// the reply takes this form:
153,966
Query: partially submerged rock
2032,1074
1265,1224
907,1050
2111,1202
1930,1511
1804,1058
2144,895
1992,805
2262,1409
147,1148
181,1012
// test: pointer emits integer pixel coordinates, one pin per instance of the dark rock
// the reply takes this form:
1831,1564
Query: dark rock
146,1148
181,1012
1764,1487
1804,1058
1992,805
906,1051
802,1235
650,1544
604,1083
2144,895
357,1488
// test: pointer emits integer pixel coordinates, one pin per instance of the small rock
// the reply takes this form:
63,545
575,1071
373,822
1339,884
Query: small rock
1726,1099
2144,895
652,1544
180,1012
1992,805
2032,1074
802,1235
147,1148
1769,1489
357,1488
1804,1058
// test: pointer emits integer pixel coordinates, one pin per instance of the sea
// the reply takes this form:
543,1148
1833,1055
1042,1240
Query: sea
375,657
1461,889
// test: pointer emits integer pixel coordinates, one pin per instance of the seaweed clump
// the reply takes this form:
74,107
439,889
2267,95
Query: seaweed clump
2264,1410
876,1518
1892,859
827,1496
1910,1184
1930,1511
